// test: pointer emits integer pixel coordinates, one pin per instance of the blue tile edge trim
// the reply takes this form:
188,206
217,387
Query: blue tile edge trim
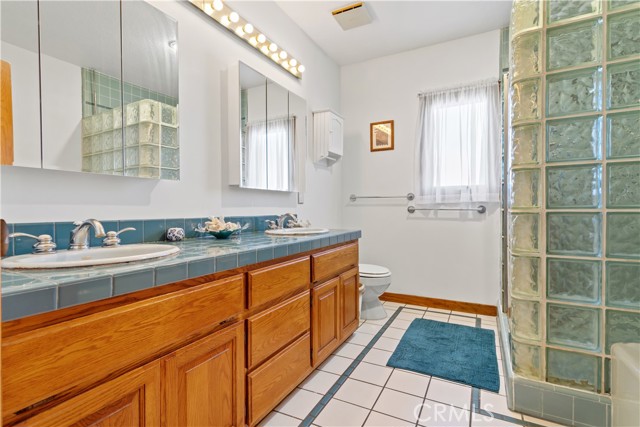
308,420
511,380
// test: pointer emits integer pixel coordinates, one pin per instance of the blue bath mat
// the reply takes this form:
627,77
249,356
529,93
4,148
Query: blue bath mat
452,352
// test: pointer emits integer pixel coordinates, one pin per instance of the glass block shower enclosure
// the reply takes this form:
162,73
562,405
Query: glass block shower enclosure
574,196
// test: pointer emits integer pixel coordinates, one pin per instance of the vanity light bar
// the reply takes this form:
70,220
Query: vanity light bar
243,29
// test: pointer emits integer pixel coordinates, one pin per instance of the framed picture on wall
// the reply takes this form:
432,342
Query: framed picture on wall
381,135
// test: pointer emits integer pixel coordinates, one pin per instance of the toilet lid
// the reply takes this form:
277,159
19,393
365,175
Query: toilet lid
371,270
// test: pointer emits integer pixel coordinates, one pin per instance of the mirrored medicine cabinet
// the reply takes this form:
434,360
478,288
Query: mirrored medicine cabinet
94,86
268,131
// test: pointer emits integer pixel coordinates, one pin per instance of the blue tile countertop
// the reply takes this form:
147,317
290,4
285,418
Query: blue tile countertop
27,292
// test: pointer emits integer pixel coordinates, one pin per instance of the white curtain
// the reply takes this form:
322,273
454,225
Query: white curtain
458,145
269,154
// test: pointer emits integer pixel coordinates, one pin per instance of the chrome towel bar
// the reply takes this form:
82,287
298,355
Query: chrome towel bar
409,196
480,209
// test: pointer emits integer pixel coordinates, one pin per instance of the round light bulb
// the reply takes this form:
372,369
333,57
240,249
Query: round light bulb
273,47
217,5
293,70
234,17
293,62
264,50
253,42
208,9
285,64
301,68
248,28
283,54
261,38
275,57
225,21
240,32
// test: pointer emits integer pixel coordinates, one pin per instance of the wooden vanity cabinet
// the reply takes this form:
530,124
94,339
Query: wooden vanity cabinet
131,400
326,322
335,302
204,381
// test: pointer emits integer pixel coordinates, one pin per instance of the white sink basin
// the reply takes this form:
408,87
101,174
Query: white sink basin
296,231
93,256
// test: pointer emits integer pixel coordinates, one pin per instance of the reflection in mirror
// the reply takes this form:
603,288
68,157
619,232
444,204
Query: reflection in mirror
79,49
94,57
19,49
270,131
150,91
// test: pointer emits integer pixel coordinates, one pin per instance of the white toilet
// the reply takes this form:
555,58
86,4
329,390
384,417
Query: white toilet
376,280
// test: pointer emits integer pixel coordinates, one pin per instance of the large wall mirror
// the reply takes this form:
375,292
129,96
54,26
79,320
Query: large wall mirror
272,133
94,86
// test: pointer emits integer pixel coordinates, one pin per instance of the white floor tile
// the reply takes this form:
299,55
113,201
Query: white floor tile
417,307
394,333
463,313
436,414
479,420
319,381
299,403
450,393
377,419
410,315
335,364
541,421
401,324
341,414
497,403
377,357
388,344
399,405
440,317
439,310
349,350
392,304
408,382
378,321
276,419
373,374
358,393
465,321
360,338
368,328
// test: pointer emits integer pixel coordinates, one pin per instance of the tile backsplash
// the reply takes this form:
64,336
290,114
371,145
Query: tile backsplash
146,230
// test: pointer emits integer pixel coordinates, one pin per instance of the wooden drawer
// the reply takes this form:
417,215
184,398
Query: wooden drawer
71,356
273,329
271,382
330,263
278,281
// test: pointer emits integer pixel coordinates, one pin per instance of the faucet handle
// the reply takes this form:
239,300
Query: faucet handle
112,238
45,244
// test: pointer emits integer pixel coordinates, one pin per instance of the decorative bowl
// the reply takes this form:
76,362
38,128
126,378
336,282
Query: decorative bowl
223,234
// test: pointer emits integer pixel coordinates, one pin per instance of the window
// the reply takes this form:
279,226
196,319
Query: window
267,154
458,146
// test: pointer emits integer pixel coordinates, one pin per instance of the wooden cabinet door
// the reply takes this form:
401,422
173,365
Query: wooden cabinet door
205,381
130,400
349,307
325,310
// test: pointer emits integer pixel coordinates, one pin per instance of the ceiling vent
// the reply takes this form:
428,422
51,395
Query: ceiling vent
352,16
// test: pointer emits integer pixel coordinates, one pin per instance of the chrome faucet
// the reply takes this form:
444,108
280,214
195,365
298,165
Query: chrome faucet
287,220
80,235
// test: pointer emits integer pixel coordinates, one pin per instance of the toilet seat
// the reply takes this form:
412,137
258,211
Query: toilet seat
371,270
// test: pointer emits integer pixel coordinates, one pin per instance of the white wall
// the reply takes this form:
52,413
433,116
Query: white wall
205,52
450,256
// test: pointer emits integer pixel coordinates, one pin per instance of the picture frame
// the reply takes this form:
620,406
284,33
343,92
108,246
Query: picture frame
381,136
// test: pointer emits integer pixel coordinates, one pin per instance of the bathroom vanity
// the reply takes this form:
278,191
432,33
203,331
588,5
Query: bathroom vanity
218,349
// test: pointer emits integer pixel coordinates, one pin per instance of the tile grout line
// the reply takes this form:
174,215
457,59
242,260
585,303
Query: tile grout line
313,414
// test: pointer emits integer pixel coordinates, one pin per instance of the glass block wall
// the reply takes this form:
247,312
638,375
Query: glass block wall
574,188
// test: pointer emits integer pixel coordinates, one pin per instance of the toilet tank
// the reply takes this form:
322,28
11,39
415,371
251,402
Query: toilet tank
625,384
